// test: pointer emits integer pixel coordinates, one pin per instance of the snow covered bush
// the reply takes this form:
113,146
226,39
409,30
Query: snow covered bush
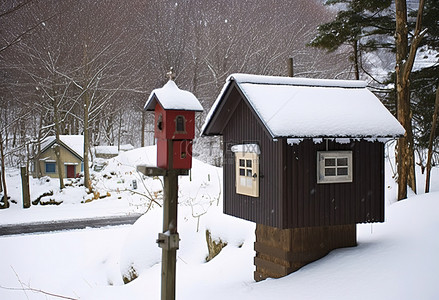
140,250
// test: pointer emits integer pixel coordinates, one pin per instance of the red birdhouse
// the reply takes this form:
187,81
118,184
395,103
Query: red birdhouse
174,125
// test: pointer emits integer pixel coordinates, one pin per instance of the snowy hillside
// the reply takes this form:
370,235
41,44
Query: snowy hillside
393,260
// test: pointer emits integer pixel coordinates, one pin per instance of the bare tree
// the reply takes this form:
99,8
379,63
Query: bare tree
405,57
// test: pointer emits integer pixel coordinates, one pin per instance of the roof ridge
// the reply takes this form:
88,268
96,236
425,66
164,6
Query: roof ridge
295,81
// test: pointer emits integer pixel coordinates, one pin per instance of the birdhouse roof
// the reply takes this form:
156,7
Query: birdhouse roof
171,97
303,107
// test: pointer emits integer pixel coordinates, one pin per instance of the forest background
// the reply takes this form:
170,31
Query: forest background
87,67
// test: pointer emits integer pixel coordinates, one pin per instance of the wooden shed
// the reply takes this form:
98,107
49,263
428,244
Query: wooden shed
304,159
71,155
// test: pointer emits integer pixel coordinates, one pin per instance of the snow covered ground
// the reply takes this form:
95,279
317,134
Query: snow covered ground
394,260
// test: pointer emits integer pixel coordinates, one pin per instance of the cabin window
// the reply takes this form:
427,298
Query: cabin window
180,124
247,170
334,166
50,167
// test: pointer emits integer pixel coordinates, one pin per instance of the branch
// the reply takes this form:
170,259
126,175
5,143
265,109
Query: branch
25,288
15,8
37,291
417,37
18,38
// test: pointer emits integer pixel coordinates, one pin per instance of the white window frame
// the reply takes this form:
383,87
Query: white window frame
334,166
247,169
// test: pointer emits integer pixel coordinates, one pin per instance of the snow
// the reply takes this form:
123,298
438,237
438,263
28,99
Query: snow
171,97
126,147
297,81
106,150
74,142
425,58
247,148
302,107
395,260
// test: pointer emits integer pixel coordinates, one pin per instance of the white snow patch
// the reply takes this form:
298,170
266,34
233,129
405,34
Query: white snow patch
171,97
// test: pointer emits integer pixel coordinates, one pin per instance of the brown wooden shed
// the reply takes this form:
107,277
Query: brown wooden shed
304,159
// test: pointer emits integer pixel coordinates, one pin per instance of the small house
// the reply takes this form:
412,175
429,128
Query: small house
304,160
71,155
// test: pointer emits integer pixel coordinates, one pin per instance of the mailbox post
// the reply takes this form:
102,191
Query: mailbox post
174,115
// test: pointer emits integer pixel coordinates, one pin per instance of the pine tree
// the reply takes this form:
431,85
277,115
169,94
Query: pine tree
424,86
363,26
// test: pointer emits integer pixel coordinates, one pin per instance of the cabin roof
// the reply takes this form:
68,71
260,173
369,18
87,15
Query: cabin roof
73,143
302,107
107,150
171,97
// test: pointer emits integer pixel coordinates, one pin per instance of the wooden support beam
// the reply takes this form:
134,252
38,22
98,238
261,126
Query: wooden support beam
169,227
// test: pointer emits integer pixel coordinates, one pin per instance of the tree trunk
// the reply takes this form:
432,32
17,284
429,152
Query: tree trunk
85,62
430,142
57,147
87,182
142,135
119,131
404,65
3,176
37,152
356,61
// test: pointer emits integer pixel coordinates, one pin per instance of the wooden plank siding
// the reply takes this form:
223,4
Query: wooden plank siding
310,204
244,127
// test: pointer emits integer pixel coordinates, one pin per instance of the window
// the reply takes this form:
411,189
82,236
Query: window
334,166
247,170
50,167
180,123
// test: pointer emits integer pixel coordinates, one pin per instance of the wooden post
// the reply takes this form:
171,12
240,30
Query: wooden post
169,253
290,65
25,187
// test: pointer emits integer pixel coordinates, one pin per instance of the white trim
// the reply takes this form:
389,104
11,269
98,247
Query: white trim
246,148
47,159
247,183
322,168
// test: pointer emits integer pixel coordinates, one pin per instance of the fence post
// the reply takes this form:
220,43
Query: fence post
25,187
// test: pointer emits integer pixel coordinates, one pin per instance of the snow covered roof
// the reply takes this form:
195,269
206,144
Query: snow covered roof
303,107
112,150
126,147
171,97
74,143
